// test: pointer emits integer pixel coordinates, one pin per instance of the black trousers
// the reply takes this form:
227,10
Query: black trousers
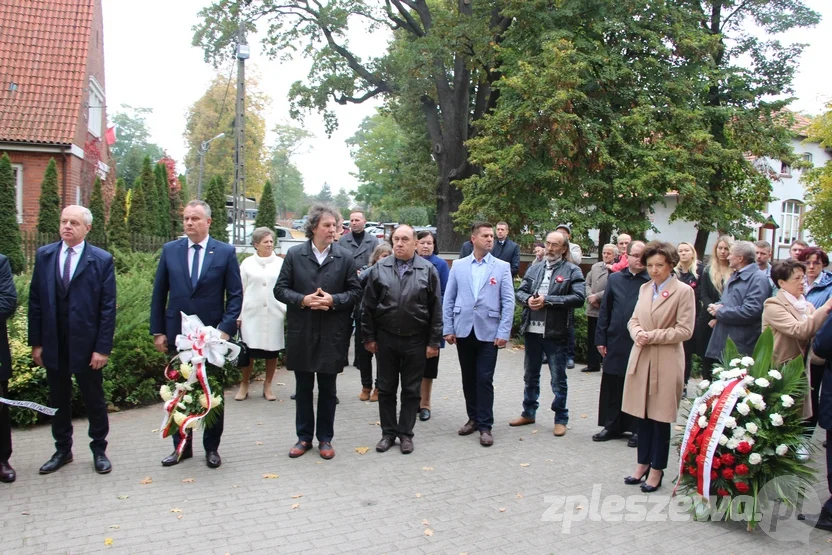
610,415
815,380
690,347
364,361
653,443
400,359
5,425
708,368
305,411
593,357
90,384
210,436
477,360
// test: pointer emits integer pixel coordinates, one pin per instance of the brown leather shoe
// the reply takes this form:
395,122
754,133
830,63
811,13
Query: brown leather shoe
327,452
560,430
300,448
469,428
374,396
486,439
384,444
365,394
406,445
522,421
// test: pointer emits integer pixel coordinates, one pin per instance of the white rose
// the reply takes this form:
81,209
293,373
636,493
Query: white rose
782,449
762,382
703,422
703,407
732,443
723,439
747,361
754,398
761,405
165,393
178,417
775,374
717,370
187,399
730,422
185,370
181,406
787,400
776,419
749,440
718,388
703,385
755,458
748,380
734,362
203,401
216,401
743,409
751,427
739,432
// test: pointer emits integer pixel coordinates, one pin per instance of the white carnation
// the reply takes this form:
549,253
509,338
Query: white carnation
717,370
703,385
743,409
718,388
749,440
187,399
739,432
754,398
703,407
732,443
776,419
734,362
178,417
723,439
787,400
703,422
748,380
747,361
782,449
755,458
181,406
751,427
730,422
761,406
775,374
762,382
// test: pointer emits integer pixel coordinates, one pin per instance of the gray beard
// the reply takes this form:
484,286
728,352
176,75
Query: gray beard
552,258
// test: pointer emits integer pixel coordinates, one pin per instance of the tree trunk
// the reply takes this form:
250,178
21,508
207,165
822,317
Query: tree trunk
604,235
701,243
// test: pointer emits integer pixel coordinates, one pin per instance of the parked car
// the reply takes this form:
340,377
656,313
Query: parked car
298,224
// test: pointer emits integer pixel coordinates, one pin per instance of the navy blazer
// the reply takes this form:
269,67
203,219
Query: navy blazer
217,299
92,306
8,304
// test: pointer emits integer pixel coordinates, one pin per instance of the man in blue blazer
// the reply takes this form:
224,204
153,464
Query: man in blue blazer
477,312
8,304
72,320
199,276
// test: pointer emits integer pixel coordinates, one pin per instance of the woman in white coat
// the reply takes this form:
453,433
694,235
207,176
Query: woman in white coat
262,317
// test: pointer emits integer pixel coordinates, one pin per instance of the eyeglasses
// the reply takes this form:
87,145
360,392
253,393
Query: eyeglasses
556,245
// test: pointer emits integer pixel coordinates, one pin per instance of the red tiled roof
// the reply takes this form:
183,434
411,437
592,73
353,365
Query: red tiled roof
43,51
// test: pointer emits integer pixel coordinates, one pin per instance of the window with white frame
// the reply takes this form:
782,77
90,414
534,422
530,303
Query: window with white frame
790,224
17,170
95,118
807,157
785,169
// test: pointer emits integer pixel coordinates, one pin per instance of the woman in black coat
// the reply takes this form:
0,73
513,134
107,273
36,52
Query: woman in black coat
690,271
319,285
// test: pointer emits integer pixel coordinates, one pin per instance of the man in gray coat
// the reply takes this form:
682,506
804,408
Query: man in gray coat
740,310
596,282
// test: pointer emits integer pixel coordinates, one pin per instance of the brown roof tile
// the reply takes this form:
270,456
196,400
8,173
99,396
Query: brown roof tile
43,49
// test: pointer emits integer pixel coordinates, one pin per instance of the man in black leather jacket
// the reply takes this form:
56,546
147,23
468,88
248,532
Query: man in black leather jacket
402,326
549,293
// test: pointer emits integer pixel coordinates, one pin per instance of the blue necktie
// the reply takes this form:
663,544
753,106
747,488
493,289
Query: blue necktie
195,267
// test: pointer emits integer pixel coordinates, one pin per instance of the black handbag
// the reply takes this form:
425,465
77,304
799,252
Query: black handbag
244,358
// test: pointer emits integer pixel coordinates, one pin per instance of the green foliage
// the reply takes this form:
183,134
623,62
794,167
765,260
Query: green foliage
98,234
10,241
215,197
138,220
325,195
119,234
286,179
266,214
163,228
818,183
132,144
150,190
49,212
413,215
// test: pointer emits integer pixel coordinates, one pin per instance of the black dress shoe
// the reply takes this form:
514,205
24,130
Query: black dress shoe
570,364
337,400
385,444
424,415
605,435
212,459
647,488
57,461
633,441
588,369
633,480
293,396
7,474
406,445
822,521
101,463
174,458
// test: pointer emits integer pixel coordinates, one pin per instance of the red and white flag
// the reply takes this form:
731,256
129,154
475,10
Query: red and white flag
111,135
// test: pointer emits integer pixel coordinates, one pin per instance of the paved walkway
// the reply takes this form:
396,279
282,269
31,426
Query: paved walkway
449,496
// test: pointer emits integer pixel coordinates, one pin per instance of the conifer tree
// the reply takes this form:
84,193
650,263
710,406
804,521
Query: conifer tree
266,211
98,234
119,234
49,213
137,220
215,197
163,201
10,241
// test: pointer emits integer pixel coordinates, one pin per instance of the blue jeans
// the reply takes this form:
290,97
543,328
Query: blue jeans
556,353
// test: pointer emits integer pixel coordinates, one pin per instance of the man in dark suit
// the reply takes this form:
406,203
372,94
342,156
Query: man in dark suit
504,248
8,303
72,319
197,275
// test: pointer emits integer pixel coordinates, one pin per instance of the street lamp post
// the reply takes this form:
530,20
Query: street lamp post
203,148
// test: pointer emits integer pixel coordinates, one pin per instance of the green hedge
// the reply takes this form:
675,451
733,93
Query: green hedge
134,373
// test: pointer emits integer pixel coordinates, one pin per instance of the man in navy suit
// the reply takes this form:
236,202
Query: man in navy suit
8,304
72,319
477,313
199,276
504,248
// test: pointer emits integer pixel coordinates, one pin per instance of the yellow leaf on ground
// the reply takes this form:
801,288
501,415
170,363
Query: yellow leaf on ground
524,465
108,541
428,532
146,481
180,517
188,481
579,508
418,495
583,416
679,428
535,431
114,526
297,496
156,431
280,383
258,443
362,450
550,460
122,497
425,522
175,510
295,505
427,468
502,509
519,496
270,476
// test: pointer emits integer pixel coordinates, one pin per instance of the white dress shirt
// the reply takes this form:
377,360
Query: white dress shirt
321,255
76,256
191,252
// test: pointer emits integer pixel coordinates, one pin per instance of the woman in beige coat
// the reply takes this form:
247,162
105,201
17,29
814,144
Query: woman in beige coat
793,320
662,321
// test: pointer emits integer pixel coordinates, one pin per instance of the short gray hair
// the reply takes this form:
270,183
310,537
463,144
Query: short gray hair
260,233
205,206
85,212
611,246
746,249
316,212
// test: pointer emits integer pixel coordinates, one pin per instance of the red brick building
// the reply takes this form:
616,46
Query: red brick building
52,98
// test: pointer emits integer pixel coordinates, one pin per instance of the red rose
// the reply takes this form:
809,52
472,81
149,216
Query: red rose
728,473
717,462
741,469
692,470
713,475
728,459
744,447
723,492
742,487
692,447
